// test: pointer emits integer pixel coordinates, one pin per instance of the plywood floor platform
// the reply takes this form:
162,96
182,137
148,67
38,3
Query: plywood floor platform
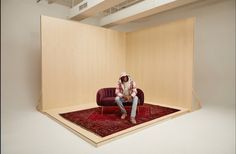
96,140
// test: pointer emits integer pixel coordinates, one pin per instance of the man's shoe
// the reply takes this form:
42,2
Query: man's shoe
132,120
123,115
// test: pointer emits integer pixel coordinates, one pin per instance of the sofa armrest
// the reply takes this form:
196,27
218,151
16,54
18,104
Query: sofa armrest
140,95
99,97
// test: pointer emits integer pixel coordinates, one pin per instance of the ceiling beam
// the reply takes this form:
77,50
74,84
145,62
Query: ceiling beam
90,8
62,2
140,10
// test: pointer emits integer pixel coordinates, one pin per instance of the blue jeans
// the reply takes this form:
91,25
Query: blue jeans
120,101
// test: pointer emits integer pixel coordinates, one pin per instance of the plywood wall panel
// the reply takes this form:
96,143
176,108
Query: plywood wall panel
160,59
77,60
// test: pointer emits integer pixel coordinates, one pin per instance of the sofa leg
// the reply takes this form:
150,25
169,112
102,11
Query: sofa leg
102,109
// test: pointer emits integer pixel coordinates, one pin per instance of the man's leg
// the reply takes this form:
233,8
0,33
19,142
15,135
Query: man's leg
134,108
120,104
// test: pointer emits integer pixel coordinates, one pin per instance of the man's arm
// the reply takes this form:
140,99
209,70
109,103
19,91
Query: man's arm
117,91
134,89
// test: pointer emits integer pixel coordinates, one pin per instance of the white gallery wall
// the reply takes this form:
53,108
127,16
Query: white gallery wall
21,53
214,55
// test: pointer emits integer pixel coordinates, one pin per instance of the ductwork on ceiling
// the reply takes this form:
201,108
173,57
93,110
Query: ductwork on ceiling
114,12
88,8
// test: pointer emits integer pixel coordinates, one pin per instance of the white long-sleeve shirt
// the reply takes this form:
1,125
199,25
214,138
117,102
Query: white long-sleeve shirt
126,89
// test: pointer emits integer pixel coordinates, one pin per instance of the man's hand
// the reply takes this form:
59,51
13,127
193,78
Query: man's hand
128,98
125,98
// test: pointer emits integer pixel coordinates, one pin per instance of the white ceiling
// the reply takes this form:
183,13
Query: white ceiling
115,12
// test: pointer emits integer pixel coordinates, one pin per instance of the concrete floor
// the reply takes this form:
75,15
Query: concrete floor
208,130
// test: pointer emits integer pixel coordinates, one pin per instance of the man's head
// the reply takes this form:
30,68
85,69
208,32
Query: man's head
124,78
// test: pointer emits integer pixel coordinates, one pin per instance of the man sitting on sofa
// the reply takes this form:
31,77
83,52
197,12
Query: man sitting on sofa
126,92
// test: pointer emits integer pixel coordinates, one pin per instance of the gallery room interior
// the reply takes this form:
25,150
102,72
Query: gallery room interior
69,66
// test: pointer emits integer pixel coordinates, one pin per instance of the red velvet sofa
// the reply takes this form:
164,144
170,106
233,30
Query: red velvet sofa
106,97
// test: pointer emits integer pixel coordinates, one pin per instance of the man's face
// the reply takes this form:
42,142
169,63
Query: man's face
124,78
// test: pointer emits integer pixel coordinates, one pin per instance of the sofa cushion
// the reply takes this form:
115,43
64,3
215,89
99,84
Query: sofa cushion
108,101
106,97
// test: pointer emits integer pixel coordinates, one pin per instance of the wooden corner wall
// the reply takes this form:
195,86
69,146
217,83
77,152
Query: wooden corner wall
79,59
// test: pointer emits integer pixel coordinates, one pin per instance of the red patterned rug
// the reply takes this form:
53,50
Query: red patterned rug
109,122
